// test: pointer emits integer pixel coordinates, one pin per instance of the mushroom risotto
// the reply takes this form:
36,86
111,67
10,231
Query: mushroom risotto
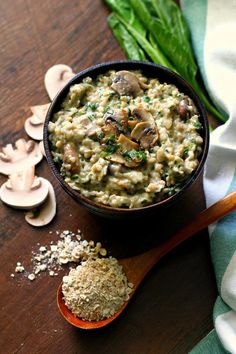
125,140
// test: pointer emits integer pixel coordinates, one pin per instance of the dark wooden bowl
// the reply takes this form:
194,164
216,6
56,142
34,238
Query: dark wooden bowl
150,70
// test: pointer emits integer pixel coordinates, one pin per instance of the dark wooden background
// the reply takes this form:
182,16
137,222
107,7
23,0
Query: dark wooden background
172,310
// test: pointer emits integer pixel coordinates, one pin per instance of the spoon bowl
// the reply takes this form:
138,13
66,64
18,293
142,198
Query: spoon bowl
137,267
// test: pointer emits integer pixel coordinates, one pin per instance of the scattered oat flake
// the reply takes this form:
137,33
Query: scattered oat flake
68,248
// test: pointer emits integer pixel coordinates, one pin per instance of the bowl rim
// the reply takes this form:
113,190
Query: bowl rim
106,66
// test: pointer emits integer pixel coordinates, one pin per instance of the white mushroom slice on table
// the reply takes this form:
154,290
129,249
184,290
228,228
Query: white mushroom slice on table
44,214
56,77
34,124
23,190
41,148
24,155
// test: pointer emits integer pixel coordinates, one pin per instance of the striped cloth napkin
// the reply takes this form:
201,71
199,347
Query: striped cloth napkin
212,25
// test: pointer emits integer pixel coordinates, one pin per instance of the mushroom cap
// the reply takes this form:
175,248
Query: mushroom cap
56,77
45,212
35,131
126,83
24,199
24,155
41,148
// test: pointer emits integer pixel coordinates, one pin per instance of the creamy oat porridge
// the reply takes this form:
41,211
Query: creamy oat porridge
125,140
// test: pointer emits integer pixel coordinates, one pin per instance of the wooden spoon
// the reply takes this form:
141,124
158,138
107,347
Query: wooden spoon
136,268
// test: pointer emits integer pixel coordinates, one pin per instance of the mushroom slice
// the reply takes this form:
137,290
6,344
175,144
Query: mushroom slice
34,124
121,160
145,134
56,77
24,190
143,115
126,83
24,155
183,108
119,119
44,214
149,138
41,148
126,143
71,157
139,130
132,123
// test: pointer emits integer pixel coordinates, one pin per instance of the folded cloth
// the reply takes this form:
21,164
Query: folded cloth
212,25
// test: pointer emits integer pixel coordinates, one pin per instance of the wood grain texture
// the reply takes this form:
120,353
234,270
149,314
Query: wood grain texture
172,310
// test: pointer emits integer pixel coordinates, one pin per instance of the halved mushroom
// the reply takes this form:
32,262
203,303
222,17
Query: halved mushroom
143,115
126,83
126,143
116,123
183,108
132,123
24,155
149,138
145,134
34,124
138,130
44,214
41,148
71,158
121,160
23,190
56,77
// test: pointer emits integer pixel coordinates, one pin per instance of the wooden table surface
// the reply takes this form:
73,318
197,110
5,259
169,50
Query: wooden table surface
172,310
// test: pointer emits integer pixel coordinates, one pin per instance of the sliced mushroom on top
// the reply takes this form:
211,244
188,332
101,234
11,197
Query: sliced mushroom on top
142,115
145,134
144,130
71,157
126,83
122,160
116,122
24,155
184,107
24,190
56,77
126,143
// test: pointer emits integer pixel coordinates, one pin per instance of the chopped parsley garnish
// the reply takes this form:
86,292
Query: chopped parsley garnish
186,151
197,125
146,99
112,94
100,136
111,145
92,106
108,109
135,155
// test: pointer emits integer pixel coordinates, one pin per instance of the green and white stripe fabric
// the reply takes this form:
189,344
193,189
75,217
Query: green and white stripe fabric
213,29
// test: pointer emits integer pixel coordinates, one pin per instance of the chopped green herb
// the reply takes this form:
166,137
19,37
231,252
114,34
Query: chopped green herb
91,116
92,106
135,155
74,177
108,109
100,136
197,125
111,148
56,159
111,145
112,94
146,99
186,151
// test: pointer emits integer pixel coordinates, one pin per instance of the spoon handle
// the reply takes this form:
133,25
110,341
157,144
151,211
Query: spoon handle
137,267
